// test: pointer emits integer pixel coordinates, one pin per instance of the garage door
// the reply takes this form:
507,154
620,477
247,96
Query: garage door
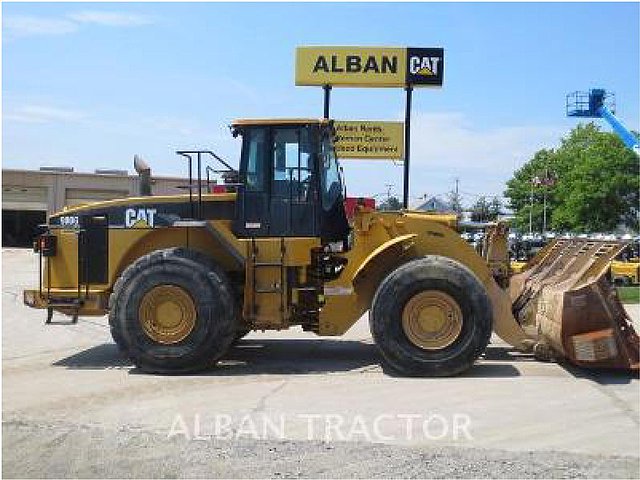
19,227
24,198
78,196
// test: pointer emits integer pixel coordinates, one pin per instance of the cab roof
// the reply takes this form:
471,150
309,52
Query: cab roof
247,122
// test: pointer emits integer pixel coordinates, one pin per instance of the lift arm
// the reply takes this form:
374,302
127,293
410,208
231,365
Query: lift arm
629,139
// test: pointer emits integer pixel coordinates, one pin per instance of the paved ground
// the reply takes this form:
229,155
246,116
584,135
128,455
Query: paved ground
294,405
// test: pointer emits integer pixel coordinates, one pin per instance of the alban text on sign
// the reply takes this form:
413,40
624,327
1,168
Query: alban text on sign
369,66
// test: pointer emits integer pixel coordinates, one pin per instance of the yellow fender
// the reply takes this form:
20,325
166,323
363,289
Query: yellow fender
504,325
407,240
352,293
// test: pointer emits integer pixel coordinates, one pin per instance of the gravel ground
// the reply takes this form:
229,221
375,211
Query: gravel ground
67,450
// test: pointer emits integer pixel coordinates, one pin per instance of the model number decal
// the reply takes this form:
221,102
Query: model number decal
69,221
139,217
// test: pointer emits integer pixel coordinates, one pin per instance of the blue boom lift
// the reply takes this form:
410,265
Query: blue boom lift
598,103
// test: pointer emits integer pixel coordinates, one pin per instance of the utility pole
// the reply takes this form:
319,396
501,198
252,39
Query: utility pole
544,210
531,209
456,204
549,180
389,187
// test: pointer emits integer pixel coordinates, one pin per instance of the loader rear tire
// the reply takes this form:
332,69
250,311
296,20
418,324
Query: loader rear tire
173,311
445,293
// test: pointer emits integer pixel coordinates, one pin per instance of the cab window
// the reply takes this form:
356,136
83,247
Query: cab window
292,163
254,149
332,187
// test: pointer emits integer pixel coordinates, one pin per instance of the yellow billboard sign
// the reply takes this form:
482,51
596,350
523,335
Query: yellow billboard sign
369,140
369,66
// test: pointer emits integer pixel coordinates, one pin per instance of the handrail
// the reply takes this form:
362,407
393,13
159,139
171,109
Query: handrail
188,155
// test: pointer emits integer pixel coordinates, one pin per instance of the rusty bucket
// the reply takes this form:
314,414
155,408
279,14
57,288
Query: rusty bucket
567,300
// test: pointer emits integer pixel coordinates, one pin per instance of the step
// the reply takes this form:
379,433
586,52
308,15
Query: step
268,264
269,290
64,303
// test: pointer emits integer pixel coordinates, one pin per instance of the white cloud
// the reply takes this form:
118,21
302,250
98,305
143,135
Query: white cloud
449,144
110,19
26,25
43,114
166,124
450,140
15,26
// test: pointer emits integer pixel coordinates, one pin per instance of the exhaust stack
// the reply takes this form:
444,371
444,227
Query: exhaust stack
144,173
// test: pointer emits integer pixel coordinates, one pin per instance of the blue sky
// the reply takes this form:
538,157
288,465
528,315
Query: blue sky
89,85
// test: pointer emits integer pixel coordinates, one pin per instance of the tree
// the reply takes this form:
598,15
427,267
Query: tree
495,208
480,210
391,203
484,210
601,184
596,187
525,197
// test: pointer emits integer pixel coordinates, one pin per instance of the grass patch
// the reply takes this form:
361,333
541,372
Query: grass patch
629,294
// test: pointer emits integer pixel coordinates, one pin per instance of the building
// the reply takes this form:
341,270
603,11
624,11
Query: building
29,196
434,204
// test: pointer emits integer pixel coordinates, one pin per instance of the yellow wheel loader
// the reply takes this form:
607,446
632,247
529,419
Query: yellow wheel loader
183,277
626,272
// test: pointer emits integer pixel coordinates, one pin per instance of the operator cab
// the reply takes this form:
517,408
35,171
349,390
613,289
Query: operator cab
290,182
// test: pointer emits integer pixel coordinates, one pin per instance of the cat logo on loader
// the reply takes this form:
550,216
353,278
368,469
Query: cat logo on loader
139,218
180,294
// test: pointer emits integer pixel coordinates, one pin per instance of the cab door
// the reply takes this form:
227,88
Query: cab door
252,207
294,183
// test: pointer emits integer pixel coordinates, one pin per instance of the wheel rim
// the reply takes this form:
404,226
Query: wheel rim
167,314
432,320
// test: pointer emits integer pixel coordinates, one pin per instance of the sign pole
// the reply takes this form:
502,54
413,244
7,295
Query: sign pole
407,141
327,97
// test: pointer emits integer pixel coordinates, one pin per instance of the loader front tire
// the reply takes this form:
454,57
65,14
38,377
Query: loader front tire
173,311
240,334
431,317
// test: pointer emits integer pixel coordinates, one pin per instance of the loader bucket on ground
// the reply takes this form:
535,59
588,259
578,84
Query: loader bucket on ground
568,301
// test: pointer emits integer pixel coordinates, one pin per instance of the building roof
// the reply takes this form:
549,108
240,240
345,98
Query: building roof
118,174
434,204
